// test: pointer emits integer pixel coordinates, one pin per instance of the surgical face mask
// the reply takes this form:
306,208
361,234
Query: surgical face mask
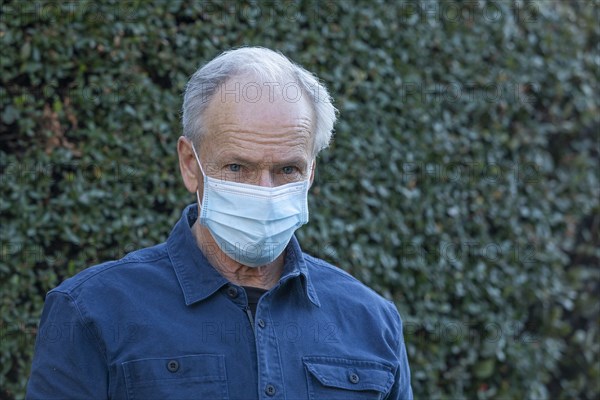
252,224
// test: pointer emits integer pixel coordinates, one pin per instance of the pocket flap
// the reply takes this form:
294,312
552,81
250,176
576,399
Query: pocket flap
350,374
197,367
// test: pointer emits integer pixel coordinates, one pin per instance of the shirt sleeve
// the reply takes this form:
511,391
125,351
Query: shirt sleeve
69,361
402,389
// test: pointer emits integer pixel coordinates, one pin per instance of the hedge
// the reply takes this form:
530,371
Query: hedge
462,182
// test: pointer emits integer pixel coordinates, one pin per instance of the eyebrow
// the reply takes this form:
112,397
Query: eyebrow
237,159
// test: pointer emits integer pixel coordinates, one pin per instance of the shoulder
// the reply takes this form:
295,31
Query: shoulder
334,283
323,272
123,271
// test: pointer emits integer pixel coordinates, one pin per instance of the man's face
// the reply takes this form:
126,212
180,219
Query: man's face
257,136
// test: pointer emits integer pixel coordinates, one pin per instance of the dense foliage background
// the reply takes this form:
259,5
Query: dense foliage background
462,182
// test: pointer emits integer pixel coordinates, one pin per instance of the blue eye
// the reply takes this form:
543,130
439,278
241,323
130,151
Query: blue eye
234,167
288,170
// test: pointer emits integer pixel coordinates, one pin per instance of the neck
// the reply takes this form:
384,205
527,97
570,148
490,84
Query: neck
264,277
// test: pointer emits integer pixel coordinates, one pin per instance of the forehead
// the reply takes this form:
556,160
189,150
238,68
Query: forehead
249,117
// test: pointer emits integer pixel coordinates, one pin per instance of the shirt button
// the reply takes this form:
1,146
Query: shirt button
354,378
261,323
173,366
232,292
270,390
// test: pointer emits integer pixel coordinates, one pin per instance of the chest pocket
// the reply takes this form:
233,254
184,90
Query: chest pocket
334,378
200,376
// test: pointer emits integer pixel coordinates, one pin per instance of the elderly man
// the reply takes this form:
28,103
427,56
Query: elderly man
229,307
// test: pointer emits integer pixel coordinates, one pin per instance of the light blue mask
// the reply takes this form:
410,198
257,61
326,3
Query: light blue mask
252,224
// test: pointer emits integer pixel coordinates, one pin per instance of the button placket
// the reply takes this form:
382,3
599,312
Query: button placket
270,390
267,347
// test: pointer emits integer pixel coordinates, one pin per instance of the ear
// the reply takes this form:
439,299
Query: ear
188,166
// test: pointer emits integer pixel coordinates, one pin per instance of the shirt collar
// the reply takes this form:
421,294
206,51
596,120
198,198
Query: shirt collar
199,280
294,265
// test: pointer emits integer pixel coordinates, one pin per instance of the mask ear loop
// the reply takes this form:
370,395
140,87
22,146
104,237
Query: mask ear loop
203,174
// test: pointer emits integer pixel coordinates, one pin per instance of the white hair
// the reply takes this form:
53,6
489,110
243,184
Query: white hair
266,65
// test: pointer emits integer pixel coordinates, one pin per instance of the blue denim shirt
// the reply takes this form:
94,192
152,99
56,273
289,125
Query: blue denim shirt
162,323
